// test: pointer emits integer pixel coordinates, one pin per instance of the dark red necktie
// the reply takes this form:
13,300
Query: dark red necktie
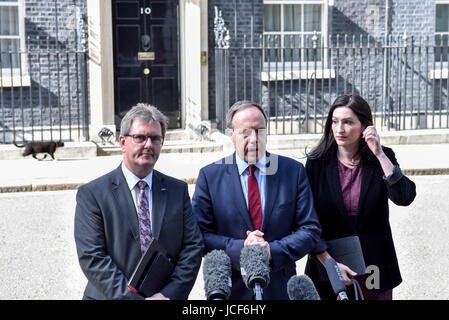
255,207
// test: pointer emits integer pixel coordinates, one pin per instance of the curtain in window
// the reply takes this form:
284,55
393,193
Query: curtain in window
442,18
312,17
290,27
9,36
272,17
292,17
442,28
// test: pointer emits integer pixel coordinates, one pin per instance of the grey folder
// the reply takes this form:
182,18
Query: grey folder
347,251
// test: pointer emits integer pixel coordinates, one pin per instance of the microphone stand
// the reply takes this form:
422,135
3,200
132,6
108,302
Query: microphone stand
217,295
258,291
342,296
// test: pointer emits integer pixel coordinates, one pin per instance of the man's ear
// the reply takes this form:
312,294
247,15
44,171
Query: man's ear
121,140
230,132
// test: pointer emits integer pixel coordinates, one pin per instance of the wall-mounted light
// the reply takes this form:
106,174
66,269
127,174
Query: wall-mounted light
203,58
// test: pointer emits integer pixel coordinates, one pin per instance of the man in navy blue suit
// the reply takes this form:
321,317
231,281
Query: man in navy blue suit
255,197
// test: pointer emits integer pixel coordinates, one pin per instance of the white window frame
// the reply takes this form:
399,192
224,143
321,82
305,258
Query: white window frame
17,78
307,68
441,68
435,20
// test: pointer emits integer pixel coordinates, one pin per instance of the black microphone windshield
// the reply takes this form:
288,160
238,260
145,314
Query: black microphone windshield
254,264
335,278
301,288
217,275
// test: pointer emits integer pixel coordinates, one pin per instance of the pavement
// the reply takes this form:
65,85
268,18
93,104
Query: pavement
419,240
424,152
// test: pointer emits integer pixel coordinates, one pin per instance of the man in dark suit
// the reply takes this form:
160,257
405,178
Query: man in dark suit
256,198
119,213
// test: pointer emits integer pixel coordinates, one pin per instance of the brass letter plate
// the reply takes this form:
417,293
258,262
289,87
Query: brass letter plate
145,55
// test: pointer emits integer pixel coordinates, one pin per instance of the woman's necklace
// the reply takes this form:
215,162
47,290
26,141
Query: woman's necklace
351,163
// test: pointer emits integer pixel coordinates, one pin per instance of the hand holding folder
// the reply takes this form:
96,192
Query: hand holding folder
347,251
152,272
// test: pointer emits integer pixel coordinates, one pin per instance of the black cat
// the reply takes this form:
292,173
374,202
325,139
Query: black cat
40,147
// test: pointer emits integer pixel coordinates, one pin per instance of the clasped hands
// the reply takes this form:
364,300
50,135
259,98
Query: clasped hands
256,237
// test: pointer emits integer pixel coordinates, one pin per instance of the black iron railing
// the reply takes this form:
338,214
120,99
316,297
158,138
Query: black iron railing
404,79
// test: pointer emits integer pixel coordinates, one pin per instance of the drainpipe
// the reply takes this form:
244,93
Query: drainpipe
386,76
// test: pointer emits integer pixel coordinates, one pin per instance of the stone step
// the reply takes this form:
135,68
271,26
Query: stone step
176,134
171,146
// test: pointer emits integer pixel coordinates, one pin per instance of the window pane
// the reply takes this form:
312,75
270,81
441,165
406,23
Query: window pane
441,47
9,24
272,17
7,45
442,18
312,17
292,45
128,45
312,54
273,51
292,17
127,10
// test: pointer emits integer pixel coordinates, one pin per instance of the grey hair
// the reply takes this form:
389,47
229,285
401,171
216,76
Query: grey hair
239,105
144,112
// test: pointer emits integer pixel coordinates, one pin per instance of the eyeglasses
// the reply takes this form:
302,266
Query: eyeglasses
245,133
142,139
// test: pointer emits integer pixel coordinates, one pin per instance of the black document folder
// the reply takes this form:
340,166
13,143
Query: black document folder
152,272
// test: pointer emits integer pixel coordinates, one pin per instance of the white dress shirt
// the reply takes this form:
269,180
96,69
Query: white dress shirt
132,180
260,175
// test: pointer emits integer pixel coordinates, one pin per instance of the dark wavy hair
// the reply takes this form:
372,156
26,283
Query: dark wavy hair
327,142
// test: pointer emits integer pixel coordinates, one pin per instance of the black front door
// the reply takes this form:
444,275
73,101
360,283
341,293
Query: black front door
146,56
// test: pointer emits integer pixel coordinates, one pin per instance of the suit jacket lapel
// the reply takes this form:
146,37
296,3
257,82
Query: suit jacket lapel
272,189
124,201
333,180
234,184
368,167
159,195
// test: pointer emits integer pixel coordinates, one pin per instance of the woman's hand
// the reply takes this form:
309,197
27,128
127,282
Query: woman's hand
346,273
373,140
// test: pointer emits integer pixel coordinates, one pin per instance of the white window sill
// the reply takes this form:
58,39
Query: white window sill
296,74
439,74
16,81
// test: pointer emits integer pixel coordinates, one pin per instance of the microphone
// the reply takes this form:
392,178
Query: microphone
217,275
336,279
255,270
301,288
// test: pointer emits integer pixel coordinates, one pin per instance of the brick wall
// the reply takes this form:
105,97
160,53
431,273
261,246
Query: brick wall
357,70
55,96
407,67
415,17
240,16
